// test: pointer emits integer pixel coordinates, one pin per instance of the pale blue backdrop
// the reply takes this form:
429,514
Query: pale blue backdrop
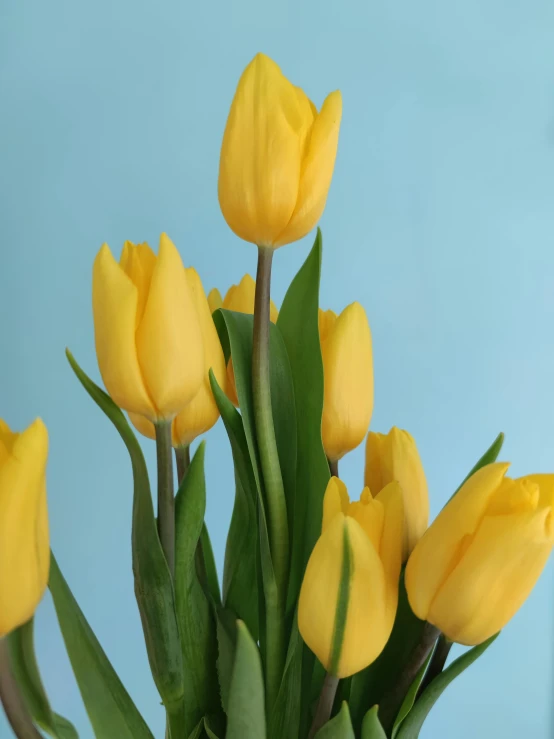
440,221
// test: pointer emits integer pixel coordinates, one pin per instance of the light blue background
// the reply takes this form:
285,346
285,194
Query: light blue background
440,221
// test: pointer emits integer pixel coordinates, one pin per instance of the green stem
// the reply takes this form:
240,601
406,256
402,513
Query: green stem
271,472
334,468
166,498
392,700
436,665
12,700
182,457
325,704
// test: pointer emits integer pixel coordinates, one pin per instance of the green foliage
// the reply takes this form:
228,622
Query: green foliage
339,727
246,714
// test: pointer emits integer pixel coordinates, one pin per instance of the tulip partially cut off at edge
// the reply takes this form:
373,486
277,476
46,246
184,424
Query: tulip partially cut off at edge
348,379
277,157
479,560
349,594
148,338
394,456
24,537
202,412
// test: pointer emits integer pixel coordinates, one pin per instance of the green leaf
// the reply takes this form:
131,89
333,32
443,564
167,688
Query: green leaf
371,726
369,685
206,567
488,457
194,611
339,727
246,715
298,324
285,717
411,695
412,724
153,586
227,642
23,662
111,711
240,577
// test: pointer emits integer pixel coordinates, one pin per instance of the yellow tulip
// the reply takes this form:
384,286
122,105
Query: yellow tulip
148,338
349,594
201,413
394,456
348,379
479,560
240,298
215,300
24,538
277,157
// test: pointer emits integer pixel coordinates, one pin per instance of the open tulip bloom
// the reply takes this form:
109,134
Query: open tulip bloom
334,616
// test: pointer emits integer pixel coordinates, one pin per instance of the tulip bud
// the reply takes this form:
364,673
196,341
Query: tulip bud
202,412
24,539
240,298
215,300
478,561
148,339
348,379
277,157
394,456
349,595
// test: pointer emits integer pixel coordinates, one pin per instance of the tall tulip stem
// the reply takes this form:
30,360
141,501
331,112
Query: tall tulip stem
392,700
271,472
436,665
334,467
324,704
182,458
11,699
166,499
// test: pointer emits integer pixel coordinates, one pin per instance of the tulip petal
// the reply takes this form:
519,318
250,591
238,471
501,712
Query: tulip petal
374,451
241,298
437,552
215,300
261,153
24,539
169,341
336,500
317,171
390,550
115,302
143,425
348,382
201,413
546,487
494,577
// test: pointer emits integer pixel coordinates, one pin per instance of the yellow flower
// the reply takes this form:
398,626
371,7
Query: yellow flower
277,157
215,300
479,560
24,539
348,379
201,413
349,594
148,339
394,456
240,298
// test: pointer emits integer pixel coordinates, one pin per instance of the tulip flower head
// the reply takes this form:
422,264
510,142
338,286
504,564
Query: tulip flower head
348,379
202,412
394,456
349,594
277,157
477,563
24,538
147,333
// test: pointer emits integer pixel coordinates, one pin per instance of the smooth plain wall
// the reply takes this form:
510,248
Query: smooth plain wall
440,220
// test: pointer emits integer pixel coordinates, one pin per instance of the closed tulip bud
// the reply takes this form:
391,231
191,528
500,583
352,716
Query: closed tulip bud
277,157
394,456
348,379
148,338
215,300
481,557
240,298
202,412
24,539
349,595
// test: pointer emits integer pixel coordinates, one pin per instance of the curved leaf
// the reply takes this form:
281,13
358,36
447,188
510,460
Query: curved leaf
371,726
488,457
412,724
285,717
23,663
411,695
111,711
153,586
246,714
339,727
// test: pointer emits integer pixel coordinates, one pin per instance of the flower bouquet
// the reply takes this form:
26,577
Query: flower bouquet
334,616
